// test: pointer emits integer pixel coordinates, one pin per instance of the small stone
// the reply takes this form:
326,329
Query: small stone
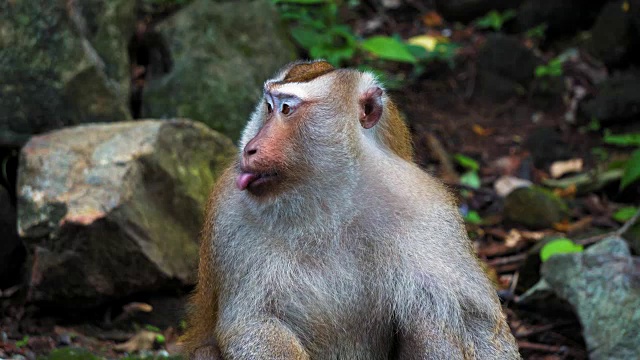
534,207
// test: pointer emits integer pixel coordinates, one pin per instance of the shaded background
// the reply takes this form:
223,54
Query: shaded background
117,116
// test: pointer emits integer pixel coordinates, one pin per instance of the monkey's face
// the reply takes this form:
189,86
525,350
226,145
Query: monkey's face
308,130
272,161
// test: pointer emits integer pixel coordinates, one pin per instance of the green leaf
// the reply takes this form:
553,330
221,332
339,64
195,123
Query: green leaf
625,213
559,246
473,217
631,171
466,162
632,139
388,48
160,339
152,328
494,19
537,31
307,38
470,179
23,342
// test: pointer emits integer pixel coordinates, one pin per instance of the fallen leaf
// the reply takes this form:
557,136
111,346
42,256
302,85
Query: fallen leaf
481,131
560,168
568,192
513,238
432,19
506,184
143,340
426,41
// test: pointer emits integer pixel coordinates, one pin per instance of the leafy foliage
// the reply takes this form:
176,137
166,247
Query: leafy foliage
388,48
537,32
472,217
495,20
317,29
632,139
470,179
466,162
559,246
632,170
625,213
552,69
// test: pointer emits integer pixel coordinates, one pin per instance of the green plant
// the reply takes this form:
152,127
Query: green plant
23,342
552,69
632,166
315,26
559,246
537,32
494,19
472,217
470,178
624,214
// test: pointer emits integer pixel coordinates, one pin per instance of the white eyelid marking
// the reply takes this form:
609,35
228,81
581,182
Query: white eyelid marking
291,89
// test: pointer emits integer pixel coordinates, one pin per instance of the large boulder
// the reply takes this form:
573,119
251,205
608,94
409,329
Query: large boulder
114,209
614,36
617,100
62,63
603,286
505,67
222,53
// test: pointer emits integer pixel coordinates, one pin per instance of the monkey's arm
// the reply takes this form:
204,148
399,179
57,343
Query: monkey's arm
266,339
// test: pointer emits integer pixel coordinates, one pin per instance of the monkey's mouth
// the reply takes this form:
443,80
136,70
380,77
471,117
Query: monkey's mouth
253,181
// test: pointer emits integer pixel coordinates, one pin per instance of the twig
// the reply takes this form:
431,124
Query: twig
507,260
541,347
623,229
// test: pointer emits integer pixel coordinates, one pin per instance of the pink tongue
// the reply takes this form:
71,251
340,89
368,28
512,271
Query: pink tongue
244,180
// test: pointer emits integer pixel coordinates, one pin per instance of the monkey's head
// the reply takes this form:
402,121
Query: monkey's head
311,126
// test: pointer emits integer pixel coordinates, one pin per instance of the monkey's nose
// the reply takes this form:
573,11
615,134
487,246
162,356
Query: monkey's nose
250,149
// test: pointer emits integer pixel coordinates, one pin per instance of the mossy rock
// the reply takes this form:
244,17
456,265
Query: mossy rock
222,53
534,208
62,63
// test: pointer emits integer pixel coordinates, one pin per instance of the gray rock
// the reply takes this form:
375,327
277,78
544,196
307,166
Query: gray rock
61,64
603,286
560,16
617,100
115,209
505,67
611,36
222,54
534,208
12,251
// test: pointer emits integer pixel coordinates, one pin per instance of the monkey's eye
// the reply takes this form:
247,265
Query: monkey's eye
269,108
286,109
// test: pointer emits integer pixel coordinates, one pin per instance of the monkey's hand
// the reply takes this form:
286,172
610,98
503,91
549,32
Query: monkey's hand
209,352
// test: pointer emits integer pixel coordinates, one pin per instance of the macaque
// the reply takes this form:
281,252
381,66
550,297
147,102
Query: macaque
325,241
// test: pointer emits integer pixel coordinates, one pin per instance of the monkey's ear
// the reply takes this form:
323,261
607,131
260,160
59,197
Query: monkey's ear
370,107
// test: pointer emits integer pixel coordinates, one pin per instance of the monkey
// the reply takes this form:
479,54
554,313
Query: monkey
324,240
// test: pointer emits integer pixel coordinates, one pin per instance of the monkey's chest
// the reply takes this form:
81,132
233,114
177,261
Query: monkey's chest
335,304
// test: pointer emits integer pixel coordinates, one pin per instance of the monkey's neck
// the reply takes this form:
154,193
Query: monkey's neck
322,207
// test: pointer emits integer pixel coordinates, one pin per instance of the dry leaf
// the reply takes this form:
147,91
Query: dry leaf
426,41
143,340
481,131
506,184
560,168
432,19
513,238
568,192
